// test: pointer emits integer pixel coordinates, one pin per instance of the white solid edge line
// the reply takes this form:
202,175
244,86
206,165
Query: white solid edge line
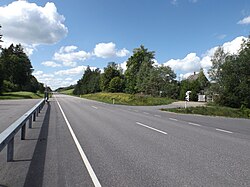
138,123
195,124
84,157
224,131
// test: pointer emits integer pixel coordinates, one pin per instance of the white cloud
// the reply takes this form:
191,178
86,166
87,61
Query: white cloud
73,71
68,55
31,25
123,66
51,64
122,53
42,75
192,63
186,75
68,49
244,21
155,63
107,50
54,81
233,46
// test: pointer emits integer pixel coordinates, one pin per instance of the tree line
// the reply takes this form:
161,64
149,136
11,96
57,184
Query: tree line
229,76
16,71
142,76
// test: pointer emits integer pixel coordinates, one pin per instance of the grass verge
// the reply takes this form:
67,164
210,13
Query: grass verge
21,95
128,99
68,92
214,111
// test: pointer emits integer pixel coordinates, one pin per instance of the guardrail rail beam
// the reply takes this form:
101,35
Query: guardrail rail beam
7,136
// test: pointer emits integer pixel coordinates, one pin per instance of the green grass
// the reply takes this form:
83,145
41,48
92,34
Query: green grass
21,95
214,111
128,99
68,92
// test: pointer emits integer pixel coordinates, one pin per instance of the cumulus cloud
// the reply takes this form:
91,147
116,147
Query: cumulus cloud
107,50
61,78
68,55
51,64
244,21
192,62
233,46
73,71
54,81
31,25
123,65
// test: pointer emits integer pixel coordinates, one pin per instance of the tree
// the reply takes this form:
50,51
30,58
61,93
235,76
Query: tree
1,67
232,77
17,67
161,82
89,83
32,85
116,85
110,72
235,78
140,56
1,37
142,81
1,78
215,72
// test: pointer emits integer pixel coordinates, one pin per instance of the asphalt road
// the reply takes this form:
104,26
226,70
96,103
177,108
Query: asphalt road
77,142
11,110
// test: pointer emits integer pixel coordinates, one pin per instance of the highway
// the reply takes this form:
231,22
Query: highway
78,142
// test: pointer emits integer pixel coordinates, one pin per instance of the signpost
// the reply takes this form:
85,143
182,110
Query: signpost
187,98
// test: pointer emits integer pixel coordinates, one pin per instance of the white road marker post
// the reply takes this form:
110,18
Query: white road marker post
187,98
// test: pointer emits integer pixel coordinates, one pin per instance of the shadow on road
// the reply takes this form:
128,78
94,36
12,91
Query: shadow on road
36,170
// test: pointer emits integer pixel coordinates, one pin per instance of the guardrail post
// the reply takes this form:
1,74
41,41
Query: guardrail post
37,112
30,122
10,150
23,131
34,116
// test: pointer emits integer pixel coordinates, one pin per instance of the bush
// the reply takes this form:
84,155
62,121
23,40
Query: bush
9,87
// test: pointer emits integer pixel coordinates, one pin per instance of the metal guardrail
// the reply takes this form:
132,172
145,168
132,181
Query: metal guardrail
7,136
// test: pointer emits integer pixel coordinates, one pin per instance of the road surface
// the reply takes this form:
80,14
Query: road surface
11,110
78,142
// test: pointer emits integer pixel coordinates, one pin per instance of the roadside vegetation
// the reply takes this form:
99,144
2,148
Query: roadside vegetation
16,73
145,83
68,92
214,110
21,95
128,99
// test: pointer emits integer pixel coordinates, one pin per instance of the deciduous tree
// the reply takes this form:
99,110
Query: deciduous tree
140,56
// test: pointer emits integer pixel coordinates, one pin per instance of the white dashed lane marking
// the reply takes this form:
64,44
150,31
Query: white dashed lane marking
154,129
222,130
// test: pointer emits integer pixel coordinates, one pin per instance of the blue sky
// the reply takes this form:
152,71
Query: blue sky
63,37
